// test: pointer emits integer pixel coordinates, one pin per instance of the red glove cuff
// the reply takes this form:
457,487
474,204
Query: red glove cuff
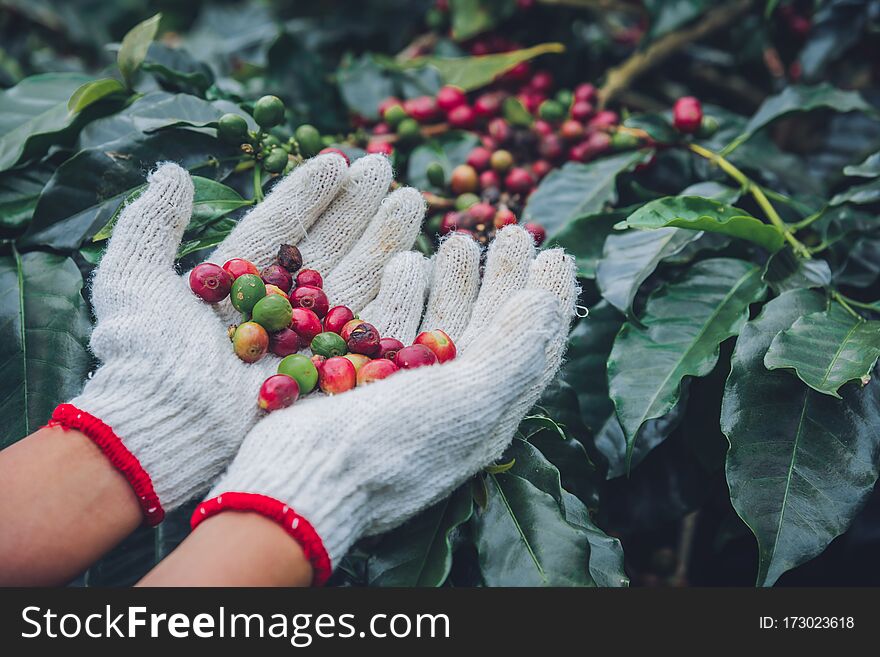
295,525
69,417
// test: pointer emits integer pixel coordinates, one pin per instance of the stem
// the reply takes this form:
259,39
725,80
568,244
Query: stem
258,184
843,301
873,305
757,193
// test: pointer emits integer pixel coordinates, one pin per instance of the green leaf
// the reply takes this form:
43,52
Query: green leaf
827,349
470,73
472,17
685,322
576,190
801,98
19,191
713,190
667,16
523,537
606,553
870,168
419,553
178,68
207,238
629,258
696,213
211,201
92,92
34,115
863,194
785,271
449,150
44,329
658,126
134,47
515,112
365,82
584,238
800,464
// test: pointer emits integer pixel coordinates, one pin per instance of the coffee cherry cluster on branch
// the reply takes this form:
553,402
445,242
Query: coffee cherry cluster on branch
285,310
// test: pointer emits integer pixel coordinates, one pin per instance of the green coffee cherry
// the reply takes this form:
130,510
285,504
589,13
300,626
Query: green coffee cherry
394,115
309,140
409,130
622,141
564,96
551,110
268,111
232,128
328,344
435,19
464,201
272,312
247,289
271,141
708,126
436,174
302,370
275,161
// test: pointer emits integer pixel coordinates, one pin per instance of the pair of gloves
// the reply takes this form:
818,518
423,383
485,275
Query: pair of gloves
175,410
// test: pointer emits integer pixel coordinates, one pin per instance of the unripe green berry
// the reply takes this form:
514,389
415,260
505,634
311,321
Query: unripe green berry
464,201
551,110
409,129
436,174
708,127
275,161
309,140
271,141
232,128
564,97
621,141
268,111
394,115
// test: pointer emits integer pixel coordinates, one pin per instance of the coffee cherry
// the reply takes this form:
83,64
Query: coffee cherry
288,257
551,147
438,342
274,289
436,174
237,266
309,277
687,114
551,110
247,289
503,217
348,327
310,297
232,128
542,128
462,117
302,370
531,100
479,158
276,160
708,127
210,282
414,356
386,103
306,324
542,82
394,114
273,312
501,161
537,232
278,391
278,276
450,222
448,98
463,179
335,151
482,213
465,201
489,178
309,140
621,141
337,375
499,130
581,110
318,362
488,105
375,370
519,181
388,348
541,168
337,317
603,120
421,108
250,342
571,130
519,73
285,342
408,130
565,97
585,92
328,345
363,339
358,360
268,111
380,148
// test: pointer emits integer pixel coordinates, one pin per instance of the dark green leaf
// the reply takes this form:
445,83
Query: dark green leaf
669,15
576,190
19,191
584,238
696,213
449,150
34,113
472,17
44,329
134,47
801,464
870,168
419,553
713,190
863,194
92,92
606,553
630,257
827,349
785,271
658,126
515,112
175,67
685,322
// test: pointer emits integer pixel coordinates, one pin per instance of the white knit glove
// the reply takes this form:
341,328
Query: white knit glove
171,402
333,469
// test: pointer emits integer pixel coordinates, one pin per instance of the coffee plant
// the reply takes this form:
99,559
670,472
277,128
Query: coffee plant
713,166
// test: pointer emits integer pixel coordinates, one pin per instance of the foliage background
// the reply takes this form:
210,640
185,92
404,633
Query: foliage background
798,115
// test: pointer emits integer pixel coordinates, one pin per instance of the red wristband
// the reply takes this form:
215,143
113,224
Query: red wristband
69,417
295,525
